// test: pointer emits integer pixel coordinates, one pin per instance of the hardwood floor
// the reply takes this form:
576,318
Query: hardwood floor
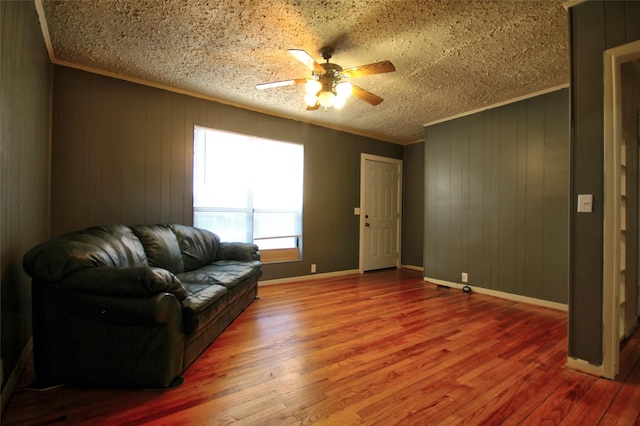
380,348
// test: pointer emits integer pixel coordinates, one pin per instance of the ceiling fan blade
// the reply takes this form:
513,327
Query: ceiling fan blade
366,96
280,83
306,59
369,69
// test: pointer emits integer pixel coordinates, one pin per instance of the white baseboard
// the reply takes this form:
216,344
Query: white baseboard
12,380
308,277
502,294
584,366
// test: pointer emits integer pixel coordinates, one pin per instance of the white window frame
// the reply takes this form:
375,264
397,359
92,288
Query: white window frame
268,255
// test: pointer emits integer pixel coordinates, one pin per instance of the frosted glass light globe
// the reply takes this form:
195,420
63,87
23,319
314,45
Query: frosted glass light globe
310,99
344,89
339,101
312,87
326,99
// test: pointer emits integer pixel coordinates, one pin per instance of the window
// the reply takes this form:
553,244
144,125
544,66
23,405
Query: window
249,189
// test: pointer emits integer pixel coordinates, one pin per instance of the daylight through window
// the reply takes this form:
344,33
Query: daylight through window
249,189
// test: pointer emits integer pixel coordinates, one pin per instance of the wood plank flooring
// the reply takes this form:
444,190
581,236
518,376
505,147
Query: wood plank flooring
381,348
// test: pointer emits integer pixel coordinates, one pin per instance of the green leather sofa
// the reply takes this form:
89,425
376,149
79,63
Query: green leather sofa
134,306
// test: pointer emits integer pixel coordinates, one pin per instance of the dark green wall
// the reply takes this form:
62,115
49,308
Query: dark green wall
413,205
595,27
122,153
24,168
497,198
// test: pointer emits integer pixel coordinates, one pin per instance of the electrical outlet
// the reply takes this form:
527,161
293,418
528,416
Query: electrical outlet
465,277
313,268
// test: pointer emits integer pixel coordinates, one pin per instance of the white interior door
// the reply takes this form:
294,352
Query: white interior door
380,213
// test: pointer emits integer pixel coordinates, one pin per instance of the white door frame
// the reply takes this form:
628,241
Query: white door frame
363,159
613,59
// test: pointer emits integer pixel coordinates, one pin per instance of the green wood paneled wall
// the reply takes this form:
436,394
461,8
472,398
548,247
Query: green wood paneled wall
122,153
413,205
25,82
497,198
595,27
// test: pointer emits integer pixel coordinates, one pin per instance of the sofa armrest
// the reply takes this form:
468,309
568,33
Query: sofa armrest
128,282
110,310
106,340
237,251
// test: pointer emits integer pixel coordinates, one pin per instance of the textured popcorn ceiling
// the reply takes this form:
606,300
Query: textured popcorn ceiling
451,57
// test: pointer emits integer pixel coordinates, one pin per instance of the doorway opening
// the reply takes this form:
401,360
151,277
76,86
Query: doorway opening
620,230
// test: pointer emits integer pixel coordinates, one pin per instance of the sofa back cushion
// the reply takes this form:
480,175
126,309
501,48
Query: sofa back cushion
198,246
161,246
110,245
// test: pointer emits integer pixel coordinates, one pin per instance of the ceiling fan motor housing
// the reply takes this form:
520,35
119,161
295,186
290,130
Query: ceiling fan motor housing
327,52
331,77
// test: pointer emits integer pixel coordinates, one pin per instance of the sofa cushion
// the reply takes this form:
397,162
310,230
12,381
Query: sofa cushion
111,245
161,246
198,246
228,273
203,303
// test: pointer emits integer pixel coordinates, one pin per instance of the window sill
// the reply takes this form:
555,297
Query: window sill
279,255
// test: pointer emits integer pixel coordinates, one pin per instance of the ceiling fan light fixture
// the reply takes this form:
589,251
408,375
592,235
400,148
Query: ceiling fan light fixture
326,99
312,87
339,101
310,99
344,89
329,85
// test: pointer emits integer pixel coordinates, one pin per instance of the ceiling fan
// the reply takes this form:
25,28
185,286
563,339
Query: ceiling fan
329,84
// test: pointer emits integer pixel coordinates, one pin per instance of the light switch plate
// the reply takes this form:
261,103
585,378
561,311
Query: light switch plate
585,203
356,211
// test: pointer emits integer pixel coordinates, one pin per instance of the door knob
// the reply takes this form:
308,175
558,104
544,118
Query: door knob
367,224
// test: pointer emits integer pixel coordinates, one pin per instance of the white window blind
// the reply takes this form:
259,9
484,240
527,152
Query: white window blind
248,189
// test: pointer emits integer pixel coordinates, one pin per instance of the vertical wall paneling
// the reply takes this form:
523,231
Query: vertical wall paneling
431,198
25,88
555,225
476,195
164,182
143,138
508,160
496,198
454,181
534,193
413,205
595,26
133,155
108,131
153,157
177,173
521,258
